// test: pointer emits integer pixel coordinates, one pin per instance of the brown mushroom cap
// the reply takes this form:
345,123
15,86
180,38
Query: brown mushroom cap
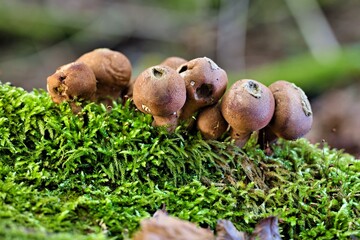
112,70
160,91
211,123
72,81
173,62
205,84
247,106
293,116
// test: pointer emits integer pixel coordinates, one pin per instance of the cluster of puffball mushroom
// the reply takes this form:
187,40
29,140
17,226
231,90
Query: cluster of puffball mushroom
191,92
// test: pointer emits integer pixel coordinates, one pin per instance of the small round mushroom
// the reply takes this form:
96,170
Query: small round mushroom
112,70
205,84
173,62
72,82
211,123
247,106
160,91
293,115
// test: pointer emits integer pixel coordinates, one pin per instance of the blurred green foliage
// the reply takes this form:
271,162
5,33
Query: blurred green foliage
31,21
308,73
37,32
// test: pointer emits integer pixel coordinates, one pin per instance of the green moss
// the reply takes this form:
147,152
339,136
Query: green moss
97,174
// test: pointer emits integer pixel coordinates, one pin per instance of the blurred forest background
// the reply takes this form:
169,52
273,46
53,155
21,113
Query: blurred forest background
313,43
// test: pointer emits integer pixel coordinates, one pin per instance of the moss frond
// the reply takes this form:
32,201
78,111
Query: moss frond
95,175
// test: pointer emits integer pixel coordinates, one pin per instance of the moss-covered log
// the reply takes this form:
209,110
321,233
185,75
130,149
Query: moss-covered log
97,174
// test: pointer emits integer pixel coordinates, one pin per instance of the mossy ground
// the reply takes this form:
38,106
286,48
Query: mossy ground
97,174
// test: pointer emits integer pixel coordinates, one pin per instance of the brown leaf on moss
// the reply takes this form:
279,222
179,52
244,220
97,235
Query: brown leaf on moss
162,227
267,229
225,230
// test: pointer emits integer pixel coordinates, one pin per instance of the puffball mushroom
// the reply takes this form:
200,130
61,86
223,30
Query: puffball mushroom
173,62
205,84
293,115
211,123
160,91
112,70
247,106
70,82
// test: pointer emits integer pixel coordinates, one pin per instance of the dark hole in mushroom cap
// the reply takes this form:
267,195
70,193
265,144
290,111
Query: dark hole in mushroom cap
204,91
183,68
253,88
62,78
157,73
58,90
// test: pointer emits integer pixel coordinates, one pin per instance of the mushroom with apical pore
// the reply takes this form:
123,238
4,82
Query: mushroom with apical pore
205,84
160,91
74,82
247,106
293,116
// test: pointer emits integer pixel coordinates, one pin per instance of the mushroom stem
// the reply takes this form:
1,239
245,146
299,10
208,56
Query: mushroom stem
239,138
187,112
169,122
266,136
